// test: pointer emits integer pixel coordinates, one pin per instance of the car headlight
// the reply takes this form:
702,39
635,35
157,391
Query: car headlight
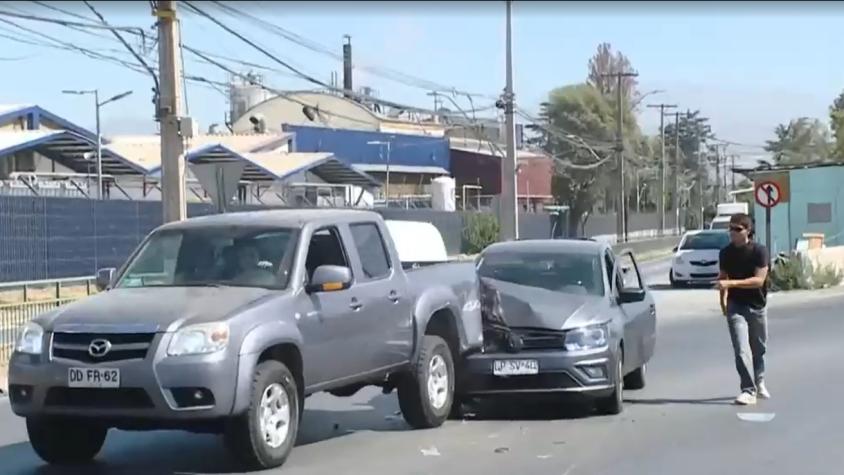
587,338
199,339
30,339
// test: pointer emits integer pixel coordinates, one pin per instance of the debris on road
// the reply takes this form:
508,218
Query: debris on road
756,416
501,450
432,452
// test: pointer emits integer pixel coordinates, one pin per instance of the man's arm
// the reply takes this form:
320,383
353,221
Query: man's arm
755,282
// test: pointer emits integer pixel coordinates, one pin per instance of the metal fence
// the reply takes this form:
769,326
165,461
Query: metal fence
23,301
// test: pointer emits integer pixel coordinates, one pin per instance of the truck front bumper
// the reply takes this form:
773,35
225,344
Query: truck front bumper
155,388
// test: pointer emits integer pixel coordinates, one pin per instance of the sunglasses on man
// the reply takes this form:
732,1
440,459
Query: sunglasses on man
737,229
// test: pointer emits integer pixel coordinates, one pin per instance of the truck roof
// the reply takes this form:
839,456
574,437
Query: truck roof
579,246
293,218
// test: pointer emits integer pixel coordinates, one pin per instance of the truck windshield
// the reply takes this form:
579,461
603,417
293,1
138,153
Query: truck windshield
232,256
717,240
571,273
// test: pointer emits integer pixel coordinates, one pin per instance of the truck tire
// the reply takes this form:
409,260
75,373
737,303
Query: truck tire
64,441
265,434
426,393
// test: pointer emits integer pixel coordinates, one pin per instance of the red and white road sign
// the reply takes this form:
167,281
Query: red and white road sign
768,194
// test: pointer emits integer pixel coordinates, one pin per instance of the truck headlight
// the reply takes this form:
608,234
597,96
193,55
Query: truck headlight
199,339
587,338
30,339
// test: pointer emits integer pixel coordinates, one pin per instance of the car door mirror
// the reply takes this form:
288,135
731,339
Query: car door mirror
631,295
675,248
329,279
104,278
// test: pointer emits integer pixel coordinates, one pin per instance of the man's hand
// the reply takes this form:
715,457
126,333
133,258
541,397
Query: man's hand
724,284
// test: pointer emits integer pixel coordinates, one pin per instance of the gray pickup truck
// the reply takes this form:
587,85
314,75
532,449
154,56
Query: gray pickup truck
226,323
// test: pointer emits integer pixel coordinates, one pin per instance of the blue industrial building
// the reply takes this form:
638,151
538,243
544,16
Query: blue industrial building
367,150
813,203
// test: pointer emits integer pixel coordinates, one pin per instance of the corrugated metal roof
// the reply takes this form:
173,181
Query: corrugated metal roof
402,169
67,148
6,108
271,166
486,147
352,147
145,150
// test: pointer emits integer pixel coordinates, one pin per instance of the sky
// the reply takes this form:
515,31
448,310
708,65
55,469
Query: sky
748,66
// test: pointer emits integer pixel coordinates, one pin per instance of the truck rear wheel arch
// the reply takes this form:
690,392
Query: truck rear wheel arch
444,324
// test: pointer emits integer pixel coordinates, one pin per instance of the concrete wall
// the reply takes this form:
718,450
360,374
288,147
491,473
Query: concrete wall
790,220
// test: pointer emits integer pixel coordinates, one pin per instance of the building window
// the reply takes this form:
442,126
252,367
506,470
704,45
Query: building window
819,213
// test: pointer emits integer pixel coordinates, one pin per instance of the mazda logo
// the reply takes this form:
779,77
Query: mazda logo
99,348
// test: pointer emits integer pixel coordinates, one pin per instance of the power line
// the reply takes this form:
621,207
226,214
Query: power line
388,73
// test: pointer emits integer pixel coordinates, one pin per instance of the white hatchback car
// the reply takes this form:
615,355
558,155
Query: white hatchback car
696,258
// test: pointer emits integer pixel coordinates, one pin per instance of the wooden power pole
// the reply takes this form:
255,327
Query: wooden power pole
660,202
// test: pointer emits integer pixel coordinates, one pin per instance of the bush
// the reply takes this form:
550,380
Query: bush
790,272
479,231
795,272
826,276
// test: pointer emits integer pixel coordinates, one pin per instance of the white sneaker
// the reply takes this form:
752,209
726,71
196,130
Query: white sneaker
746,399
762,391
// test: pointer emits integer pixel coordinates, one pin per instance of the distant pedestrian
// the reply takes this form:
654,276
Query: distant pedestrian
744,298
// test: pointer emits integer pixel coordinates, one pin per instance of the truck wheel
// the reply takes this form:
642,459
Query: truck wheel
614,403
427,392
65,441
265,434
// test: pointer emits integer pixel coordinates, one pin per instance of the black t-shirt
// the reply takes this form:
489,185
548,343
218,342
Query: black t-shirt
741,262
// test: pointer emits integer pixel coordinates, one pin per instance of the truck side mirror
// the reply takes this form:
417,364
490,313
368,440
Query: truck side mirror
329,279
104,277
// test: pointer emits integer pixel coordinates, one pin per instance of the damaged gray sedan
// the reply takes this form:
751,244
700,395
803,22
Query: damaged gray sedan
561,316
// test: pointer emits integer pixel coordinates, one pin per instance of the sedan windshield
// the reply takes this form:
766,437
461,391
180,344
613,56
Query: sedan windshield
571,273
705,241
234,256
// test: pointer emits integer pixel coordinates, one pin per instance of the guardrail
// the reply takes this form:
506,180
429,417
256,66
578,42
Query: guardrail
20,302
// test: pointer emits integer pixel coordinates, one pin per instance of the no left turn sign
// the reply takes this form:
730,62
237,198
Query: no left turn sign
768,194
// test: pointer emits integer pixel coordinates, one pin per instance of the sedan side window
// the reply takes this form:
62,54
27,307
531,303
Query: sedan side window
629,273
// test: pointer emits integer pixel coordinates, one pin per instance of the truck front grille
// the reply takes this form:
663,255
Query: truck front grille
121,346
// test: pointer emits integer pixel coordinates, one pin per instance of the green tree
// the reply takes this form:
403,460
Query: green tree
802,140
836,115
570,114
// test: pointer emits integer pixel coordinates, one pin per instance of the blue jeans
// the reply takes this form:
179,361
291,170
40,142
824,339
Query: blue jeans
749,335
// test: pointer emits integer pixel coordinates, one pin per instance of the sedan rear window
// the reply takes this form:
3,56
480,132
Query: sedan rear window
571,273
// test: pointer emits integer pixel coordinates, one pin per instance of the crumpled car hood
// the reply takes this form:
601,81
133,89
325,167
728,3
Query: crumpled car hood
505,304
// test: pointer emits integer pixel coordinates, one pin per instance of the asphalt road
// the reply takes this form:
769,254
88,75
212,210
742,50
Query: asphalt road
682,423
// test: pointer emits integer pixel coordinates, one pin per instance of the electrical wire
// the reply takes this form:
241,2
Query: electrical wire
391,74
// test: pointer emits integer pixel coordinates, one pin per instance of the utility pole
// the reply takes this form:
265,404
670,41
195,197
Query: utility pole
508,205
621,210
733,171
169,113
676,195
660,202
717,175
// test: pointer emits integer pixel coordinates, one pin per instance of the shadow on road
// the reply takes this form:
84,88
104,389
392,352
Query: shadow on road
714,401
170,452
525,409
379,414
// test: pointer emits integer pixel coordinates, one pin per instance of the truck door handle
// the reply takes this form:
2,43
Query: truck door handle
394,296
355,305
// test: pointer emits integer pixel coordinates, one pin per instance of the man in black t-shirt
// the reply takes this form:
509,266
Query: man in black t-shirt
743,294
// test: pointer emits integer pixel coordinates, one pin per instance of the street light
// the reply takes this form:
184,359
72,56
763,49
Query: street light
96,93
387,182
